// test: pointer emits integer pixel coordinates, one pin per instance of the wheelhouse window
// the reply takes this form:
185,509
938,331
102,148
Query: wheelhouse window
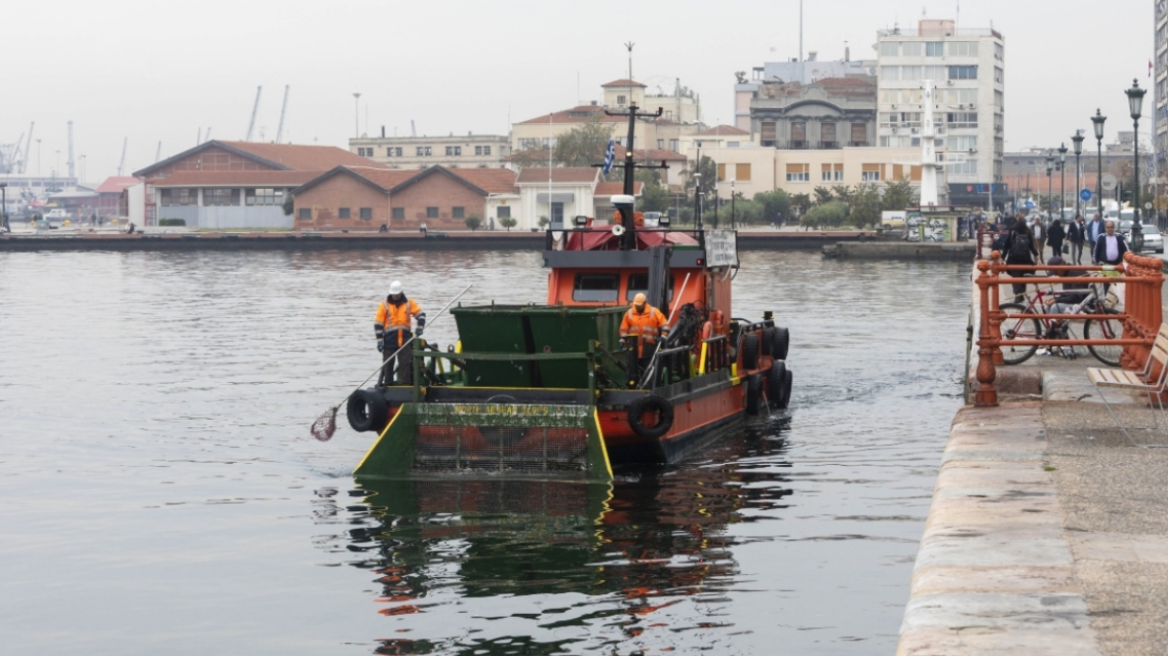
596,287
639,284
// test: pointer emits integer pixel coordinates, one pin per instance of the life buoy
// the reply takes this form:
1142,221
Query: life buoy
707,330
651,403
367,410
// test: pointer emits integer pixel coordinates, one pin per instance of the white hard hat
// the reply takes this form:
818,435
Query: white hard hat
395,287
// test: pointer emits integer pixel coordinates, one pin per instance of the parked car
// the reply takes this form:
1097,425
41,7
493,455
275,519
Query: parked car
1153,240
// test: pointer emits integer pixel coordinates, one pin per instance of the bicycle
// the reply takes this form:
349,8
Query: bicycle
1037,327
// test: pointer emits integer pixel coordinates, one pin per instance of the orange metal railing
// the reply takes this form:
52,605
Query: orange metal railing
1142,279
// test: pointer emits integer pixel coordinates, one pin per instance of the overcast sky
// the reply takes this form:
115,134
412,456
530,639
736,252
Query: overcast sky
163,71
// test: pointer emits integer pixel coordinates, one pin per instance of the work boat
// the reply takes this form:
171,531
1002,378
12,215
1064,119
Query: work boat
552,390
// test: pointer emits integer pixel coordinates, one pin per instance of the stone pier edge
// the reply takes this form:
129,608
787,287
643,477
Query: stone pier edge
993,574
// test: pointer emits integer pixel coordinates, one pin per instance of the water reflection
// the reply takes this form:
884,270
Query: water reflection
490,566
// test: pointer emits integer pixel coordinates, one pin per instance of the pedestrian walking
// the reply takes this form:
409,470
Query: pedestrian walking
1039,234
1020,249
1055,237
1094,230
1077,234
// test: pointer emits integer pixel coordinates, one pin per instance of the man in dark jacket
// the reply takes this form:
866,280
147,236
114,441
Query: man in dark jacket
1077,234
1020,249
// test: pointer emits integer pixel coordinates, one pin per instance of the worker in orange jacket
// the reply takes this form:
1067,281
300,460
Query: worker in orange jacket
393,328
641,327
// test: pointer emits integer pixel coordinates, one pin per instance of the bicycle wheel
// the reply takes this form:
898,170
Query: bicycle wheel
1104,329
1021,328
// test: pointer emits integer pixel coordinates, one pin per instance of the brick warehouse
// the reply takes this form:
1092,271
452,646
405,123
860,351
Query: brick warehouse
364,198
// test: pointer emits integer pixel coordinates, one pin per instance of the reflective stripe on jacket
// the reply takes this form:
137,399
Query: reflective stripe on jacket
645,325
397,317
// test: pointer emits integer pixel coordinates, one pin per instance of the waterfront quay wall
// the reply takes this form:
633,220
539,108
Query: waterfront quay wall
296,240
1047,533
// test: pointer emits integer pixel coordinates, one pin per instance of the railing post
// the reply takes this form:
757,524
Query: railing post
987,342
995,300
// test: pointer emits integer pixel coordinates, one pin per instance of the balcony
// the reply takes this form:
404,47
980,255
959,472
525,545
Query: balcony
828,145
858,144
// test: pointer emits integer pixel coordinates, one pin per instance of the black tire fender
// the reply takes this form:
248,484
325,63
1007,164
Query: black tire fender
367,410
648,403
781,343
768,341
787,389
753,393
750,351
777,384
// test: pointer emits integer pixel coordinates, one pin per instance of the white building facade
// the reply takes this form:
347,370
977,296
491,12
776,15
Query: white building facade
967,67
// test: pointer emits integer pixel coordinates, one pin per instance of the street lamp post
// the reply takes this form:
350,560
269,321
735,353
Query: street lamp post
4,205
1062,177
1050,192
733,212
1097,121
698,188
1135,100
1078,141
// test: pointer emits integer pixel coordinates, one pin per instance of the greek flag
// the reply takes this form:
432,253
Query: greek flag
609,156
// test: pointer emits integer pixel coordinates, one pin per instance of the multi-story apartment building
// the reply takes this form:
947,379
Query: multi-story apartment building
967,67
470,151
804,72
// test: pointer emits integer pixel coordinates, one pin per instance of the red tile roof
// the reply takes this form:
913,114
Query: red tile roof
280,157
315,158
613,188
492,181
578,114
623,82
235,178
564,174
722,131
115,184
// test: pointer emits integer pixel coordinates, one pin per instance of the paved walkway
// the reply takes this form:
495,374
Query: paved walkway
1048,532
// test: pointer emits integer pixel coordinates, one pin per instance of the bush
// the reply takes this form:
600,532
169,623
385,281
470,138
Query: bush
172,223
543,222
826,215
474,223
507,222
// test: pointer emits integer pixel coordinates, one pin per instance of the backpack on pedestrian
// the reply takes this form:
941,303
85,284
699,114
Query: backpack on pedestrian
1019,248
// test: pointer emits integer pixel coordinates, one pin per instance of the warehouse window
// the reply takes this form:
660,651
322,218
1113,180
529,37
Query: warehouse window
343,213
399,213
458,212
431,212
366,213
220,197
264,197
304,213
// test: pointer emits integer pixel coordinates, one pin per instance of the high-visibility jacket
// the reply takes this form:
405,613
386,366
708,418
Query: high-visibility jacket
396,316
646,326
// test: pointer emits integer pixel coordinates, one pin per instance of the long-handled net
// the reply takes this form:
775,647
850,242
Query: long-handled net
326,424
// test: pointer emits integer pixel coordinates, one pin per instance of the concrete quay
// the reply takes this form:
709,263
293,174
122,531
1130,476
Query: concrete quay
1047,532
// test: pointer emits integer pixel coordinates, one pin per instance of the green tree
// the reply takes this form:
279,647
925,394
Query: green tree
748,212
844,193
825,215
289,204
865,207
801,203
899,195
654,198
507,222
543,222
774,204
709,176
474,222
531,157
823,195
583,145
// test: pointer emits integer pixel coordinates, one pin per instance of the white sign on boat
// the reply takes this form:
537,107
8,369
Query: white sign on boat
721,248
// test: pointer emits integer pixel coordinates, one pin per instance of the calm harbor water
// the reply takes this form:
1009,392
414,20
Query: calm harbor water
159,491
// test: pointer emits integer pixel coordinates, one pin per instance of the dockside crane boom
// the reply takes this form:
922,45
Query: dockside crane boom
27,149
283,110
158,153
255,108
122,163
